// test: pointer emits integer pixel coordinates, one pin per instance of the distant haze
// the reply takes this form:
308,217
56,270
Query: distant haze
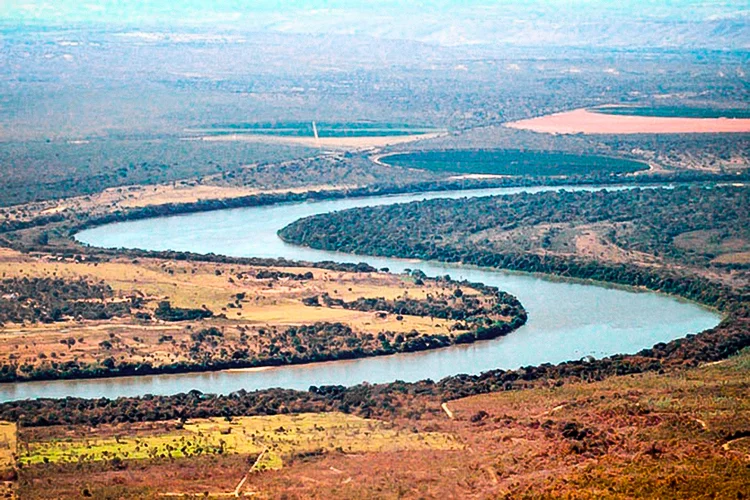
648,23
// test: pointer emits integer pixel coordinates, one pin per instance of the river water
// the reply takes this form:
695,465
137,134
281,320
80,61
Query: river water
567,320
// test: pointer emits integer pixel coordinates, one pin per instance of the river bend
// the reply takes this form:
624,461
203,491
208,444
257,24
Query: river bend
567,320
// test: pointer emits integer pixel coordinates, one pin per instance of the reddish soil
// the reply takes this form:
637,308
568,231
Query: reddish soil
582,121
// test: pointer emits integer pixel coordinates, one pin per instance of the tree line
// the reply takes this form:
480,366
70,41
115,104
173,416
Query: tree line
452,230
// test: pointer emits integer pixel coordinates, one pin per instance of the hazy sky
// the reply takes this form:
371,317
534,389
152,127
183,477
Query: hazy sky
490,23
253,11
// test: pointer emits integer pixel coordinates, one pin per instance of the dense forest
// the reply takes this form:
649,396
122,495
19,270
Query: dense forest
465,230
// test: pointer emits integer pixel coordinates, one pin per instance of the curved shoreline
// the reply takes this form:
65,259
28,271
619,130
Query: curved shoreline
534,340
429,342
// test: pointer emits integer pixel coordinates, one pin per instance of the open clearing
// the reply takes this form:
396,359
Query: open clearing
187,192
585,121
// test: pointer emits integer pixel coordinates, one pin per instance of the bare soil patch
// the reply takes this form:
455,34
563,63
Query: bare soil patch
583,121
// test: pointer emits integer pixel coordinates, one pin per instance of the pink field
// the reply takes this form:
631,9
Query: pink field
582,121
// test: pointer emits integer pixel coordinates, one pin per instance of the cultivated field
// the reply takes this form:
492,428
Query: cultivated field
323,129
511,162
587,121
674,111
355,135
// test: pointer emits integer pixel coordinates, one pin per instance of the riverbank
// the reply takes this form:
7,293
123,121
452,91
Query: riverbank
290,213
221,316
663,426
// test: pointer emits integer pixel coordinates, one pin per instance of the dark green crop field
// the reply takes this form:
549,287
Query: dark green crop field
513,162
325,129
673,112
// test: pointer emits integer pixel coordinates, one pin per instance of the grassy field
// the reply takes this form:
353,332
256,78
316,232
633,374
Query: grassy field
251,310
281,435
673,111
268,443
512,162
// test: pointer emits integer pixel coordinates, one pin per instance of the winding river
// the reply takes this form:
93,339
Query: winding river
567,320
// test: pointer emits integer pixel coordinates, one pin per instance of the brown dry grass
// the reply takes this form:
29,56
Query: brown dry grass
8,455
267,304
733,258
7,444
645,436
186,192
582,121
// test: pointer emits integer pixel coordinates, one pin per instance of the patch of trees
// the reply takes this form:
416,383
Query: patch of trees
275,275
206,333
166,312
48,300
457,306
40,221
